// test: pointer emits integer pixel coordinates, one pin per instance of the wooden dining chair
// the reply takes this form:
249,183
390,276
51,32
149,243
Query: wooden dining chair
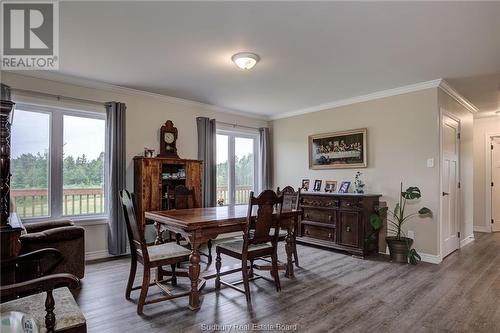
291,201
257,242
153,256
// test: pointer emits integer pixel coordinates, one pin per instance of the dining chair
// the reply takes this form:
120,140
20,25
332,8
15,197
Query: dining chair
152,256
184,198
291,201
257,242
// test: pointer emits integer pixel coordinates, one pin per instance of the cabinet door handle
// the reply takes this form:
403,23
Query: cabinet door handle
348,229
307,232
330,235
329,218
306,215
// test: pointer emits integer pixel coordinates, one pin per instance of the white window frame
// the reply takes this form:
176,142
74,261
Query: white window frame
55,161
231,179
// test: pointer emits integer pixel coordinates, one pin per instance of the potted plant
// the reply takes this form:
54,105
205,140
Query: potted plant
400,246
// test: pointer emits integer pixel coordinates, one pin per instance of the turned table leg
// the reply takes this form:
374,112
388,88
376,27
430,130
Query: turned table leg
194,274
289,254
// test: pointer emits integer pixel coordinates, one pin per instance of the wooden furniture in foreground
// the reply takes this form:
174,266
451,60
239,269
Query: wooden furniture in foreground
156,178
291,201
54,310
198,225
154,256
258,241
338,221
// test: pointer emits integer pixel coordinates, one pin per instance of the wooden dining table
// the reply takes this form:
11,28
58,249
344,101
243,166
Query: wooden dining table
199,225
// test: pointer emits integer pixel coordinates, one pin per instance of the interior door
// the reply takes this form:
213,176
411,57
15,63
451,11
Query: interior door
450,194
495,179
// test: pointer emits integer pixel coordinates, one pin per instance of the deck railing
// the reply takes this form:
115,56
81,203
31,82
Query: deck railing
34,202
241,196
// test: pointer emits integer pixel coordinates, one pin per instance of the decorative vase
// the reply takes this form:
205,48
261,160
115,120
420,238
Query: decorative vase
399,248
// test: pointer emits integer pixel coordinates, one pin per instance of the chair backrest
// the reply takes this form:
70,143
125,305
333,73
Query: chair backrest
291,198
183,196
134,229
267,202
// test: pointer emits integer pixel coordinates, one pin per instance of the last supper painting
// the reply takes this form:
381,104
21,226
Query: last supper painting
346,149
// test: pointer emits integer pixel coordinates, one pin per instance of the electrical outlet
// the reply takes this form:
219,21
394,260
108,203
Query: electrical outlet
430,163
411,234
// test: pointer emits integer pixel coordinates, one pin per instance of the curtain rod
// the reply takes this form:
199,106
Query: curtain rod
58,97
236,125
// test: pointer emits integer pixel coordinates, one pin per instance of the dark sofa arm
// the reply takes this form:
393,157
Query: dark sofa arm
42,226
54,235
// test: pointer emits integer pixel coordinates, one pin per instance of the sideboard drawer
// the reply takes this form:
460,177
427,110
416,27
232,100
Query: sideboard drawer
324,216
313,231
349,203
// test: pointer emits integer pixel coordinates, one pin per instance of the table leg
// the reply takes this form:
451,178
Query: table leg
194,274
289,254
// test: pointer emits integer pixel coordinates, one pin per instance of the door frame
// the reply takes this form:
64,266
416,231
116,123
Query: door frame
488,178
443,113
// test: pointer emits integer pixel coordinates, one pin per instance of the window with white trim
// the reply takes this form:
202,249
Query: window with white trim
58,163
236,166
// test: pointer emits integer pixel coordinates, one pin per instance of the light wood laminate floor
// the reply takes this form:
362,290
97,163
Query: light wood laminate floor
331,292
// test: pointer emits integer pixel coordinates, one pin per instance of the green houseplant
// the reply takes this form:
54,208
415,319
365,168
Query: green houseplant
400,246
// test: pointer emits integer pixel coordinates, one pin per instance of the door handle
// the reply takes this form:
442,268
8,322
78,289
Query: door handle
445,193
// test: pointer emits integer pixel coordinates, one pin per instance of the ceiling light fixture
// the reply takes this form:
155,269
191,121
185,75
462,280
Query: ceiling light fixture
245,60
497,113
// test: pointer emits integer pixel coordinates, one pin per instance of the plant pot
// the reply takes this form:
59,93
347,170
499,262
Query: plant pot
398,248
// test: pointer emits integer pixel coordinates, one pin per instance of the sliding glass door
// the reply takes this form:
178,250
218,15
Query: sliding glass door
236,166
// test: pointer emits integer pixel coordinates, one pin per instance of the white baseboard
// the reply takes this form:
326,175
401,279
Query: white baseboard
431,258
481,228
467,240
94,255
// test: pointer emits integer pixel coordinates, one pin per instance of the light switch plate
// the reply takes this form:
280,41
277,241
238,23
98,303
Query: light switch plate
430,163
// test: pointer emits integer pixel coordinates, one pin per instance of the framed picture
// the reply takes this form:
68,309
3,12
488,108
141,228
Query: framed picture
338,150
344,187
330,186
305,184
317,185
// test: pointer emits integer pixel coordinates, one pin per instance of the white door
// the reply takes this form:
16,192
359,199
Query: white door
495,181
449,186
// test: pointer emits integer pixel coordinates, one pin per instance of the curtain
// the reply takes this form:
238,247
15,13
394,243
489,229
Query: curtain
207,153
115,159
265,180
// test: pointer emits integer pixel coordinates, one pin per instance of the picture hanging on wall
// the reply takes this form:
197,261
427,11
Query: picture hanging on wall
338,150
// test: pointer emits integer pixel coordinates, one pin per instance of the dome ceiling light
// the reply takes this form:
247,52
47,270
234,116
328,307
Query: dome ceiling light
245,60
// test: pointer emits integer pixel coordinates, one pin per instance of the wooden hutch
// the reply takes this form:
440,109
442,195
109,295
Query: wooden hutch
339,221
154,176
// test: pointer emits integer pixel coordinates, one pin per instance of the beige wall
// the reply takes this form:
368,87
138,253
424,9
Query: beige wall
145,115
450,106
403,133
482,127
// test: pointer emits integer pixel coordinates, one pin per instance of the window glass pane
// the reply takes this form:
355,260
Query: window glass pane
30,163
222,169
243,169
83,166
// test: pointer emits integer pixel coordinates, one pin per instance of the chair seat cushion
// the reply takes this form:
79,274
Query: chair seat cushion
68,314
237,246
281,233
166,251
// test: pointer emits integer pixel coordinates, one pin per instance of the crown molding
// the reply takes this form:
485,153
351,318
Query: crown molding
362,98
87,83
445,86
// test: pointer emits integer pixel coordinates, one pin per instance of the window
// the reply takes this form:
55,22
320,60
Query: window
57,163
236,166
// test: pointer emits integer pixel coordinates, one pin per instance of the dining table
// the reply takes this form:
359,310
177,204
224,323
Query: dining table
199,225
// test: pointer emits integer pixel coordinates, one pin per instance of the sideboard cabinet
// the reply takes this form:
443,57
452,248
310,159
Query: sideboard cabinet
338,221
156,177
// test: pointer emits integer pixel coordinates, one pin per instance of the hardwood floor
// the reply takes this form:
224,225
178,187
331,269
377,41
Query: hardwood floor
331,292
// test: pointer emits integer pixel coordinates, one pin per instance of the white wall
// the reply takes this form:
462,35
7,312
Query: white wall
146,113
482,127
403,132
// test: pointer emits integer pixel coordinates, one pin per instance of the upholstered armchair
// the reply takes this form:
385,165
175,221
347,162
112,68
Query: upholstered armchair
62,235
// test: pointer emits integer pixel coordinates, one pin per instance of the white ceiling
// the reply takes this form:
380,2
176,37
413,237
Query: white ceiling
312,53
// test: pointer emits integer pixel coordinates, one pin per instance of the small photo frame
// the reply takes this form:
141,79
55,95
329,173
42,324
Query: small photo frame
330,186
317,185
305,184
344,187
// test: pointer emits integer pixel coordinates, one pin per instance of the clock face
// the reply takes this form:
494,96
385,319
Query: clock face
169,137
